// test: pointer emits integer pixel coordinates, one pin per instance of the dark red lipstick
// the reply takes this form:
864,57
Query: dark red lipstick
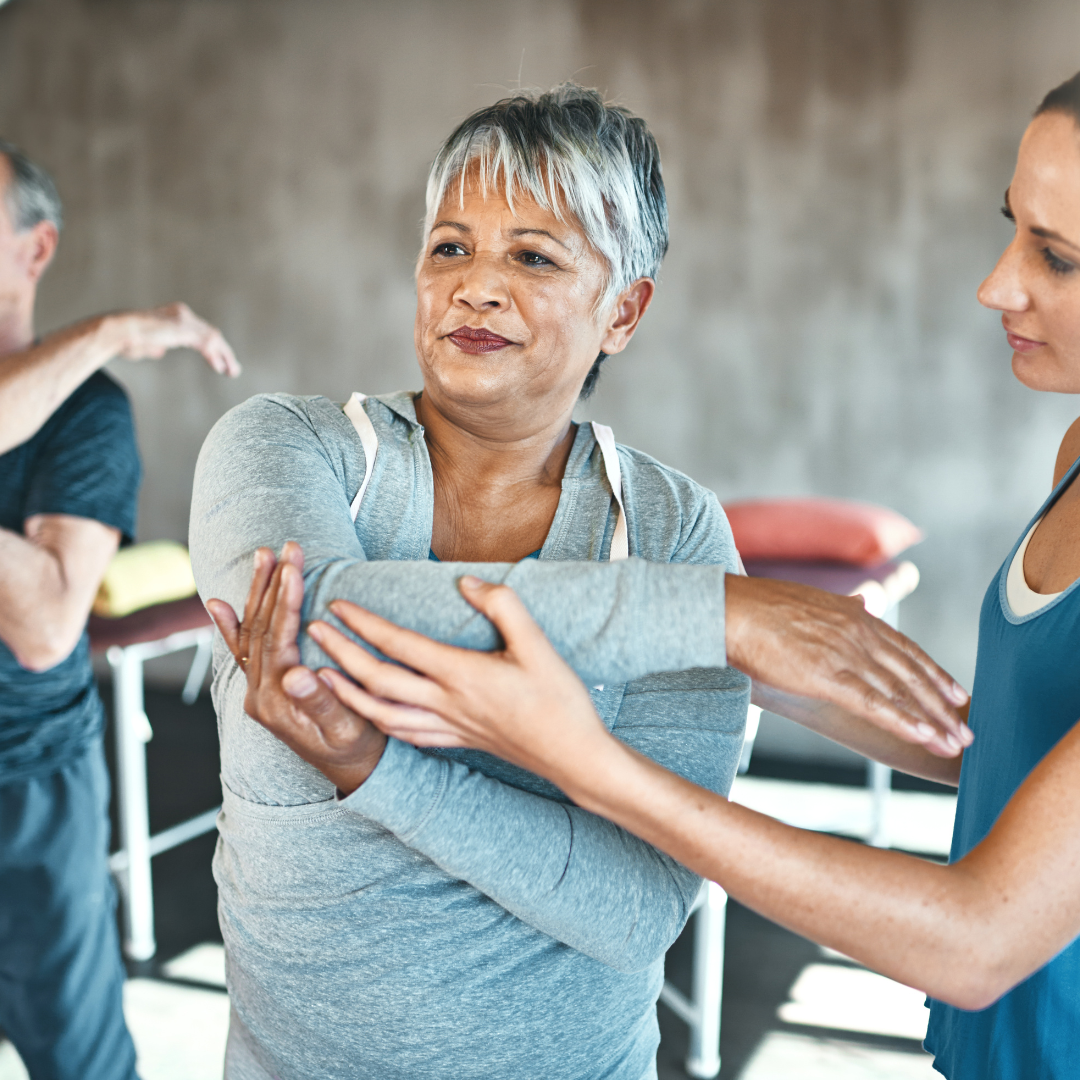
478,341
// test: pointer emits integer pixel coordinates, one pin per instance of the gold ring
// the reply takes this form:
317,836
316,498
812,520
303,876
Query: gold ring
244,661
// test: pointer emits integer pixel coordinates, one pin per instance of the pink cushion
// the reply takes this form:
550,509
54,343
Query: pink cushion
820,530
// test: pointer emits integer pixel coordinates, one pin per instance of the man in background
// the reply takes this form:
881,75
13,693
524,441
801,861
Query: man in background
69,477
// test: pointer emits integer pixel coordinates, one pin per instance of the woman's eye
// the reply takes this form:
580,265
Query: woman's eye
1057,264
534,258
448,248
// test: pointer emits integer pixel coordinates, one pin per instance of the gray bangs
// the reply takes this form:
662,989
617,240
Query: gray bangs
577,157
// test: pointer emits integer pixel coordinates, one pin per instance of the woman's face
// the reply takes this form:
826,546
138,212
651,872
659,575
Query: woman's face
505,318
1036,283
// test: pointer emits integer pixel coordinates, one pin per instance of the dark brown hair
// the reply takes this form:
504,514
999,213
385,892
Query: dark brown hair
1064,99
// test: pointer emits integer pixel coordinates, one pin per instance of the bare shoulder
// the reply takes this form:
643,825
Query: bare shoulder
1068,452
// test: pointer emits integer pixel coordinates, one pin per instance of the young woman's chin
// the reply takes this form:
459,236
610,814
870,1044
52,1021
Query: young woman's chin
1044,370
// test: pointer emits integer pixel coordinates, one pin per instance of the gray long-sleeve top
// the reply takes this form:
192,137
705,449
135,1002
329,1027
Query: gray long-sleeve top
455,909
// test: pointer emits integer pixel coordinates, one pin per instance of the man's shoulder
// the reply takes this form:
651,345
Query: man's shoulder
100,399
98,412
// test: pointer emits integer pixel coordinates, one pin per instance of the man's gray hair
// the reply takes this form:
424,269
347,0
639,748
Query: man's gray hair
577,156
31,194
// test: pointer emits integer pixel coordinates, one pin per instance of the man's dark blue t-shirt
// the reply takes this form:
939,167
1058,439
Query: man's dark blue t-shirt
84,462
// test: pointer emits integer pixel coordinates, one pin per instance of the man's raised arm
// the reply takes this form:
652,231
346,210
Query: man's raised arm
36,379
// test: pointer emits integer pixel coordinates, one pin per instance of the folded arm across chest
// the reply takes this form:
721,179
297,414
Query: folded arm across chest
266,475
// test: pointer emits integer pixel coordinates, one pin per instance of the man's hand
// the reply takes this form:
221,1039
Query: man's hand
815,644
283,696
149,335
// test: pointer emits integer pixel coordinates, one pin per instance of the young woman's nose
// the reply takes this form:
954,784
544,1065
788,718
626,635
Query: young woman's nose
1003,290
483,286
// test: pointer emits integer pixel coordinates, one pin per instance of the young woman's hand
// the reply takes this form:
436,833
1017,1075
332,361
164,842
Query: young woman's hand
282,695
523,703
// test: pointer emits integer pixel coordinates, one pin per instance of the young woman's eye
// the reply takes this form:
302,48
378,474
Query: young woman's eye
534,258
1008,214
448,248
1057,264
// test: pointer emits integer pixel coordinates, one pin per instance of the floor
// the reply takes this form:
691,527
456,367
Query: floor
791,1009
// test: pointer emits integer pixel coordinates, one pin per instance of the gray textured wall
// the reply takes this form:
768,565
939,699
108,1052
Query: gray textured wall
834,169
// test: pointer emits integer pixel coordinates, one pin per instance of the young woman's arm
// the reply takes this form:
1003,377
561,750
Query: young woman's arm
964,933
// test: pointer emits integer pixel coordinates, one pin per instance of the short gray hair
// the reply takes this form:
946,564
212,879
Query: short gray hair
31,194
574,154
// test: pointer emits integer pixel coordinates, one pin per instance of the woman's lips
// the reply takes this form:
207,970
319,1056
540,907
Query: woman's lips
478,341
1021,344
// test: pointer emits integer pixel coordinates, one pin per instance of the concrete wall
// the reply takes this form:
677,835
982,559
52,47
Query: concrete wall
834,169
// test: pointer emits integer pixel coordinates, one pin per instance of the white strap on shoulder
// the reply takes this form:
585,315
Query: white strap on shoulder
355,411
605,438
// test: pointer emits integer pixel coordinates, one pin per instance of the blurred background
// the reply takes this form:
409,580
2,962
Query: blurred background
834,170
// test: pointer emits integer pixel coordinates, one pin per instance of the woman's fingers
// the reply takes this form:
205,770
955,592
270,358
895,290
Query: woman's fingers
814,644
263,567
503,607
406,646
382,679
227,623
421,727
284,625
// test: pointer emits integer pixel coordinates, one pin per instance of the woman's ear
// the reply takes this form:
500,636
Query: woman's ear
629,308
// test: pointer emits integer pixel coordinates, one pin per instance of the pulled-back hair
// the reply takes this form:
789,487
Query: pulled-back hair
1063,99
31,195
577,156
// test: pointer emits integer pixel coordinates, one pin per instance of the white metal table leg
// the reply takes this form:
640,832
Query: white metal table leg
708,989
132,733
879,781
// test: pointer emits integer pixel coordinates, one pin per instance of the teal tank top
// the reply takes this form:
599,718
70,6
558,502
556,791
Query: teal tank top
1026,697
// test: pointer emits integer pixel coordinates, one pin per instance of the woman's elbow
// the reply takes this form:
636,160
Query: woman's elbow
976,985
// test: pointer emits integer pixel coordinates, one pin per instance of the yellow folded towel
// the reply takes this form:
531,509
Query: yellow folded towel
142,575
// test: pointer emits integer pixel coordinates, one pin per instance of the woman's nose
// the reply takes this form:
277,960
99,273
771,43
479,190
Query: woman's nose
483,287
1003,290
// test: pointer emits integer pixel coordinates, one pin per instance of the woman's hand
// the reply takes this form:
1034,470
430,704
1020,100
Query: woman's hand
282,695
523,703
814,644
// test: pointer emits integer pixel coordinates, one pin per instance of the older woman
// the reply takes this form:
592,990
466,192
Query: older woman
392,913
994,936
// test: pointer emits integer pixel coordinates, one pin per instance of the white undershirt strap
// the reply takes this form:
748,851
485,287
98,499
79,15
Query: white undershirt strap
1023,599
605,438
620,548
355,411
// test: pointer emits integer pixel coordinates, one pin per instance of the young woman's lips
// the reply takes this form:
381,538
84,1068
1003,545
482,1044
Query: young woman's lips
478,341
1021,344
